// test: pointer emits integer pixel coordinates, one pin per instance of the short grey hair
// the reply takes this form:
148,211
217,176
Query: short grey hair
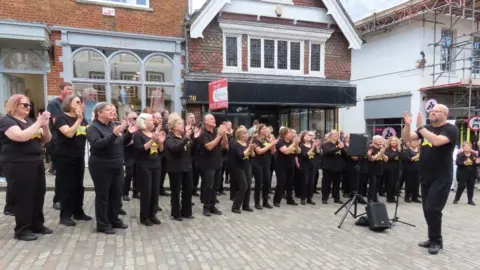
141,120
99,107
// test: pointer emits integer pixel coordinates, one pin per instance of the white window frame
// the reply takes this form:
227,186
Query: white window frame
276,70
285,2
117,4
320,73
238,68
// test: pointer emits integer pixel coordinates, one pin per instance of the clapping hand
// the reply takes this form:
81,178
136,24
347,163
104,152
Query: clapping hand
196,132
252,146
161,137
274,141
44,119
296,140
79,111
341,145
188,134
222,130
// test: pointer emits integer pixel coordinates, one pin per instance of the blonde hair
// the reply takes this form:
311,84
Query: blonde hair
333,131
172,120
141,120
394,138
13,102
239,132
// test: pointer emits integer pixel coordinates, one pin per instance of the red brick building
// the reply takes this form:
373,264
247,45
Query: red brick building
287,62
123,51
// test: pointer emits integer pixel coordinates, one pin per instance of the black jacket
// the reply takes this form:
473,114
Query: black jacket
178,154
105,147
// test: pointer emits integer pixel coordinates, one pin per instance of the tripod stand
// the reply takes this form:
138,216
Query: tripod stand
355,197
397,190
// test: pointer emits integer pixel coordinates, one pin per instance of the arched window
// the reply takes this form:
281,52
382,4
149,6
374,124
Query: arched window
23,60
125,67
158,69
88,64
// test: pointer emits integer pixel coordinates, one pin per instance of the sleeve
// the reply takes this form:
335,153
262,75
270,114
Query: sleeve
127,137
6,123
96,141
202,139
280,144
329,149
460,160
61,121
451,132
175,146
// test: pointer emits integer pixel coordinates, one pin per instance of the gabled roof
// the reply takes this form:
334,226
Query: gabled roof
211,8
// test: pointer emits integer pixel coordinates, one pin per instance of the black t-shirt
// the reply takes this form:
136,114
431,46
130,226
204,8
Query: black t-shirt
285,160
394,158
375,167
242,162
70,147
13,151
205,159
471,167
265,158
410,164
55,109
149,158
436,162
306,160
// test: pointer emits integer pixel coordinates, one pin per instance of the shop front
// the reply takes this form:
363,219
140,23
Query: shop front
25,51
276,101
131,71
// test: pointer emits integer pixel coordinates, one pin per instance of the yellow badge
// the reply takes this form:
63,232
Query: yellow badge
426,143
246,158
37,135
266,144
338,152
396,158
186,146
81,130
311,155
154,149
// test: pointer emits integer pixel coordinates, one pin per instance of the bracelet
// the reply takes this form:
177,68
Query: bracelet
420,128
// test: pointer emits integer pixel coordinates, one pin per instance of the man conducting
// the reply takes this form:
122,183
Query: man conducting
438,141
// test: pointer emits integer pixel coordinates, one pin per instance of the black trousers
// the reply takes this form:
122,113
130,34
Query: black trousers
196,177
148,183
244,180
297,182
210,180
373,187
9,196
233,181
56,197
261,173
285,177
225,173
331,182
181,182
108,184
163,174
307,184
363,184
434,198
70,173
27,180
130,179
317,176
391,180
465,179
412,184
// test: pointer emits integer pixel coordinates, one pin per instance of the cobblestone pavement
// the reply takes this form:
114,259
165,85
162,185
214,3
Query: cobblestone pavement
301,237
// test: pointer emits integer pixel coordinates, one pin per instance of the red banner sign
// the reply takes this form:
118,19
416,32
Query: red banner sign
218,94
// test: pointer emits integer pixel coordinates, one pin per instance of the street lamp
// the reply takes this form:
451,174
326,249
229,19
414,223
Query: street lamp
183,100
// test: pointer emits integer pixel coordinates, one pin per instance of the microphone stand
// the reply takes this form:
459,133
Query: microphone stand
397,190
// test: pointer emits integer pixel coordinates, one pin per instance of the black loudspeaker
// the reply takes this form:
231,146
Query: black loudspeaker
358,145
377,217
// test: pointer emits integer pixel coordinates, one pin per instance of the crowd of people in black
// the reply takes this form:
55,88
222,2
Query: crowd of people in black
135,152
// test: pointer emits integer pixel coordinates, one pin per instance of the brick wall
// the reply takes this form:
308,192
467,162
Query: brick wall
166,19
53,77
309,3
337,57
205,54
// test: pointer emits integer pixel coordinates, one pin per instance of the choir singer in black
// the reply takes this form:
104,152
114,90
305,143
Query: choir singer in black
466,173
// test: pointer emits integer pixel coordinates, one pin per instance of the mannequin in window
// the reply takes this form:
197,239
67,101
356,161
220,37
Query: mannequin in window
90,98
157,101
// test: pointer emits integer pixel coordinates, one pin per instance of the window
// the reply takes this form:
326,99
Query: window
317,59
131,3
275,56
232,53
476,55
446,50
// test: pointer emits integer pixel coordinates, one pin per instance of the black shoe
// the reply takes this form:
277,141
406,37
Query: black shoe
136,195
417,201
106,231
215,211
407,200
311,202
147,222
434,248
196,194
43,230
258,206
455,201
345,195
160,208
338,201
221,193
126,198
83,217
427,244
67,222
217,201
471,203
193,204
267,205
248,209
292,202
164,193
122,212
155,220
26,236
316,192
303,202
206,212
178,218
276,204
189,217
120,226
236,211
391,201
325,201
57,206
8,213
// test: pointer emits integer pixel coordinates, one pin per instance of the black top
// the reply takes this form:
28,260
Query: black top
241,161
208,160
460,161
70,147
224,150
265,158
129,153
394,157
410,165
105,147
285,160
436,162
349,162
306,160
13,151
178,153
149,158
54,107
333,157
375,167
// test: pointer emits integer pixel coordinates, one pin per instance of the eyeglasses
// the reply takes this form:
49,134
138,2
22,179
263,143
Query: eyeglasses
79,102
26,105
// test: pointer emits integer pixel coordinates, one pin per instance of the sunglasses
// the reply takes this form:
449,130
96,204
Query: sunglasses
26,105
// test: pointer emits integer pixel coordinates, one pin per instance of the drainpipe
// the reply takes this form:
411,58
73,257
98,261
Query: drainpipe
186,31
